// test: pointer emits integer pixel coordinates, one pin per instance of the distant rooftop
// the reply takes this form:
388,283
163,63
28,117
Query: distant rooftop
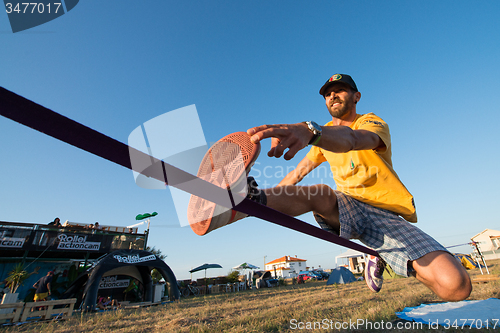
284,260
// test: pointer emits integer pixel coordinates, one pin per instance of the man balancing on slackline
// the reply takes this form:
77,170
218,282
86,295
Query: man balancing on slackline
370,204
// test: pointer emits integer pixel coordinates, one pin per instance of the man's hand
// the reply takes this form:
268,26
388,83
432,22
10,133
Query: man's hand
293,137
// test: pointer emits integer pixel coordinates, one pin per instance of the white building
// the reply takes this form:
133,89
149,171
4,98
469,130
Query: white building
286,267
488,242
356,261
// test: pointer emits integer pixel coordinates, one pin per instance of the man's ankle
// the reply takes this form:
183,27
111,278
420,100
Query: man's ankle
255,193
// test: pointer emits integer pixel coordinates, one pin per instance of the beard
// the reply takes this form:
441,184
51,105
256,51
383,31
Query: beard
343,109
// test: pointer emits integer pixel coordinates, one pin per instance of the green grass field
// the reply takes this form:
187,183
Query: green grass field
281,309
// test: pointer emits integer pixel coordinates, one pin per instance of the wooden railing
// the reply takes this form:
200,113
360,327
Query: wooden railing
46,310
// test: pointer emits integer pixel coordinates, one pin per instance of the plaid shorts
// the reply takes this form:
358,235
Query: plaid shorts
396,240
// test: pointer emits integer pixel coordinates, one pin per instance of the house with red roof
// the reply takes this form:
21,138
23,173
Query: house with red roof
286,267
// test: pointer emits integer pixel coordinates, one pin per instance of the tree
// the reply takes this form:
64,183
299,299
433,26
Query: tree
155,275
233,277
156,252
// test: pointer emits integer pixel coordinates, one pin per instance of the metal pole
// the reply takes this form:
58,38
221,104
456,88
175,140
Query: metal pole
147,234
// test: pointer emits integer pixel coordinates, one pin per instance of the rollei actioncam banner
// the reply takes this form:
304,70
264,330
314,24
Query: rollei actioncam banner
41,240
111,282
76,242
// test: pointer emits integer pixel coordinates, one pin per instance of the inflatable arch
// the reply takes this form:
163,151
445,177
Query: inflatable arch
134,263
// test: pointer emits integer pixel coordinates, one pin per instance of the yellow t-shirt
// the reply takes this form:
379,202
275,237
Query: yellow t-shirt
367,175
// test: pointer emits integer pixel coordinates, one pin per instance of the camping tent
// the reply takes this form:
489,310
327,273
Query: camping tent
134,263
466,260
340,275
389,274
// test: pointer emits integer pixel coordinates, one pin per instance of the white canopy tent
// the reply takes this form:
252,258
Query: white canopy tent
356,264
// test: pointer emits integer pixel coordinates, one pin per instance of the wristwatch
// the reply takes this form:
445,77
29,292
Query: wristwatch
314,129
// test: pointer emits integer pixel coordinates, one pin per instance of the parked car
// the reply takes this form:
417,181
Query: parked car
306,275
323,274
266,281
317,274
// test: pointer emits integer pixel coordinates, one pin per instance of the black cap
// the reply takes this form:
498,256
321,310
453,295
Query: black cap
338,78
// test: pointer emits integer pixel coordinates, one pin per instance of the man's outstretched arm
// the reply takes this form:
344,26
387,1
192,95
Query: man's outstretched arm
294,137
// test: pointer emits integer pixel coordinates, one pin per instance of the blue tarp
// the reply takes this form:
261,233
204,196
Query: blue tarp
469,314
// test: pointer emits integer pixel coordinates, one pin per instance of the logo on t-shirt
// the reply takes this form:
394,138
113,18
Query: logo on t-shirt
375,122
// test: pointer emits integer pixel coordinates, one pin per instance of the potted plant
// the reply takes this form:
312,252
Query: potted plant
15,279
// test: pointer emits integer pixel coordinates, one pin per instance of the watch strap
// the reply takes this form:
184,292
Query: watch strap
315,140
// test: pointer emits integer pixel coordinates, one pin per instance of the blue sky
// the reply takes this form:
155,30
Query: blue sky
430,69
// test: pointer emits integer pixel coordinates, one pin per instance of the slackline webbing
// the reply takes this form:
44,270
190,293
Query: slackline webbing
44,120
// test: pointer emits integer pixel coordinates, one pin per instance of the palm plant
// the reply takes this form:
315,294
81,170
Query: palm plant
17,277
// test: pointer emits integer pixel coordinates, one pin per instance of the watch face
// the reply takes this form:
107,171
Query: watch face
315,128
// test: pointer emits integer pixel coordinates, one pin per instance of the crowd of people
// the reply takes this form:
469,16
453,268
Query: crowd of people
96,226
104,303
57,223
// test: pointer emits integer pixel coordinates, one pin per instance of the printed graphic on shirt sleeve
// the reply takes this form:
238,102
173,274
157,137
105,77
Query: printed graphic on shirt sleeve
374,122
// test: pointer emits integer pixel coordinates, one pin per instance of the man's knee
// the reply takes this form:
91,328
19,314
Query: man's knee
324,194
457,285
465,288
444,275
